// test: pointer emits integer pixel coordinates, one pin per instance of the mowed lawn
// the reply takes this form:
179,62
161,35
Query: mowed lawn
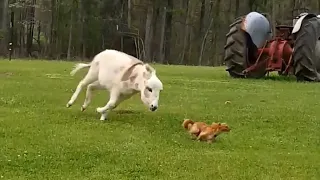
275,127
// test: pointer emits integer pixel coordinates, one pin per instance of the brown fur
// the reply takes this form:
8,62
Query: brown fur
203,131
211,132
194,128
128,73
187,123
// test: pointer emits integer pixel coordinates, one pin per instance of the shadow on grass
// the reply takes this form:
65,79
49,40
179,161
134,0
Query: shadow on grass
123,111
127,115
287,79
274,78
281,78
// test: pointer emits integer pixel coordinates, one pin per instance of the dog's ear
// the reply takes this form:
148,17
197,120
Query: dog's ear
149,68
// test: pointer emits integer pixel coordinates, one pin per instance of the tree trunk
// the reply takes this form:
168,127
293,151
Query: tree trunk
274,17
215,33
3,26
168,31
82,47
189,61
237,8
186,31
204,43
4,14
30,27
129,14
155,31
162,35
51,38
202,12
149,33
39,35
70,36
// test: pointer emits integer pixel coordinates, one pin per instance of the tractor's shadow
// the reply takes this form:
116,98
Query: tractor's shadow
274,77
280,78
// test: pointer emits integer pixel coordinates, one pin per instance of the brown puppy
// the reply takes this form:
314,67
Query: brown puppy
223,127
211,132
194,128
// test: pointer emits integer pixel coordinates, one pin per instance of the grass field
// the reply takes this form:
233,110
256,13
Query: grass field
275,128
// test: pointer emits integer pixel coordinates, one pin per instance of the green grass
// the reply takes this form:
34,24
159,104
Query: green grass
275,127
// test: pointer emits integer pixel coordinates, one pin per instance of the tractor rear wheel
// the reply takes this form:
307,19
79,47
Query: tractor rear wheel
239,49
305,60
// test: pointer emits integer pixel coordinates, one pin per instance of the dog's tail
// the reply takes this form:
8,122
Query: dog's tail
77,67
187,123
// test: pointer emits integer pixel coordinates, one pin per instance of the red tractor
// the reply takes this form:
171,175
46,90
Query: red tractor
251,51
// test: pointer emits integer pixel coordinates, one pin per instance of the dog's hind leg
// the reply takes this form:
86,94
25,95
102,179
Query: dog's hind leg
91,77
93,86
194,132
202,136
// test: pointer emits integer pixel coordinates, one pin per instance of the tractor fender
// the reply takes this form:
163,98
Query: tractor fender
297,23
258,27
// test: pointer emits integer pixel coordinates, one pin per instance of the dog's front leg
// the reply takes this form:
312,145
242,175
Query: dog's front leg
200,137
114,96
209,141
193,136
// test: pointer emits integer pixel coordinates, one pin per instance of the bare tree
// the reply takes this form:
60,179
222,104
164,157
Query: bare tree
186,30
129,13
162,35
3,25
168,30
149,32
70,35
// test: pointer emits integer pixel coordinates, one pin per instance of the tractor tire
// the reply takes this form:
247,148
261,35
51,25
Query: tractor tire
239,47
305,61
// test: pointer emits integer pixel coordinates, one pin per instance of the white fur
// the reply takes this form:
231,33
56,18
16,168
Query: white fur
105,72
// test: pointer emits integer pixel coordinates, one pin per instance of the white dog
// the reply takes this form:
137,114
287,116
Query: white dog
123,76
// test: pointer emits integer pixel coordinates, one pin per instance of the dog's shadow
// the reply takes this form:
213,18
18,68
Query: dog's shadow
123,111
114,114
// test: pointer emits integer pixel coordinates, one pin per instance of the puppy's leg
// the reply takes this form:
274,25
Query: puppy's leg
194,131
205,136
211,137
201,136
193,136
209,141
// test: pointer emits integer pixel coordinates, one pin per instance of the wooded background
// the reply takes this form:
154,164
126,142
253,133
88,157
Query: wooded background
190,32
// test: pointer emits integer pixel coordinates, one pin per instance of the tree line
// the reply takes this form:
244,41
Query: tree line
189,32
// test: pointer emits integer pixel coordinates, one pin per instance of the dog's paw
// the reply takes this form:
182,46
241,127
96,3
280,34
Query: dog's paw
100,110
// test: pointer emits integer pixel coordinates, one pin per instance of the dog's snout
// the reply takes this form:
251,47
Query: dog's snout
153,108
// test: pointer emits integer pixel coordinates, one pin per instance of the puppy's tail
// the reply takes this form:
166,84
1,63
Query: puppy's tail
77,67
187,123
